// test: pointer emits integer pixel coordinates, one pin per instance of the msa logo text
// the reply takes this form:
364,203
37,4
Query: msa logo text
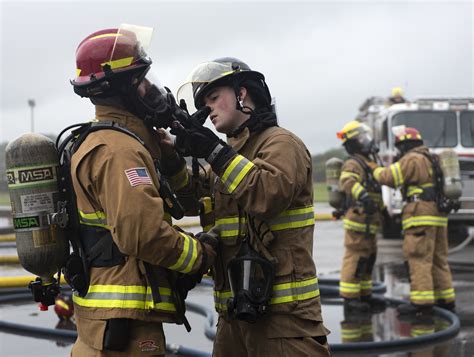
26,222
34,175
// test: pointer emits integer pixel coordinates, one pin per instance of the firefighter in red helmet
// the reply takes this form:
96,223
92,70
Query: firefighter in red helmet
425,244
138,267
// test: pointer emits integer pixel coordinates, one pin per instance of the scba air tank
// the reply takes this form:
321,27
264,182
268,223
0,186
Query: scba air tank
333,173
31,165
452,185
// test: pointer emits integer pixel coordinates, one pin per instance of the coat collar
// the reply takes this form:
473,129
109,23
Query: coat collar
239,141
132,123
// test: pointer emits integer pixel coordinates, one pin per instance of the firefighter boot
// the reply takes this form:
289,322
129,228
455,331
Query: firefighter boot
355,305
377,304
451,306
414,309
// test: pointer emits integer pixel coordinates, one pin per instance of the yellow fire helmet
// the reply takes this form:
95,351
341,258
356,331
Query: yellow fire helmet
352,130
397,92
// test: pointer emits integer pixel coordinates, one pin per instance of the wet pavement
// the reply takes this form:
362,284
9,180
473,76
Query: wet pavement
328,251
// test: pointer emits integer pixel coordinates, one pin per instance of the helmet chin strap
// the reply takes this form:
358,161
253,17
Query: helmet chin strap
239,105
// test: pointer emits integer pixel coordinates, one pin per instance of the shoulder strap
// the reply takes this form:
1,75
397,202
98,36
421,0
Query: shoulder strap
368,171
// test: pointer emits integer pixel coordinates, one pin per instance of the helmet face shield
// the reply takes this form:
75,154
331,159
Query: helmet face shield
200,78
127,37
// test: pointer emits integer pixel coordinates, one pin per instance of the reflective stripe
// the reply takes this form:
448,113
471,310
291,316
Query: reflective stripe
444,294
350,288
236,171
282,293
188,256
293,218
125,297
179,180
417,221
290,219
378,172
359,227
351,333
366,329
295,291
347,174
397,174
426,295
229,228
357,189
96,219
421,331
366,285
416,190
119,63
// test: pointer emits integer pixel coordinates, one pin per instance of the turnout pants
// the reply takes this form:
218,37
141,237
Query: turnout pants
242,339
357,265
145,339
426,250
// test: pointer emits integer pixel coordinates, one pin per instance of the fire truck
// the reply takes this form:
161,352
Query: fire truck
443,123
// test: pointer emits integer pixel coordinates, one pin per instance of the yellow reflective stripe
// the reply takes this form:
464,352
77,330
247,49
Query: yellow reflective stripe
347,174
397,174
125,297
96,219
359,227
445,294
188,256
293,218
366,329
105,35
282,293
414,190
366,284
78,72
378,172
295,291
425,185
179,180
351,333
235,172
119,63
425,295
357,190
349,287
421,331
229,226
417,221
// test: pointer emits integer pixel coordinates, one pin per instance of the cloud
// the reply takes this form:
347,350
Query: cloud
321,59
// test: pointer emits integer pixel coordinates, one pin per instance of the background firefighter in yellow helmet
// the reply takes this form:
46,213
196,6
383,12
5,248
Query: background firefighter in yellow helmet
396,96
362,218
425,244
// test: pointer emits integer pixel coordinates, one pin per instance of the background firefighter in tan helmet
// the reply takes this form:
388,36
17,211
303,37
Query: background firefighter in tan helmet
116,177
425,244
269,303
362,218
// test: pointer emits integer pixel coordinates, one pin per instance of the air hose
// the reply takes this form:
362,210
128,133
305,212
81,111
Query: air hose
383,346
70,336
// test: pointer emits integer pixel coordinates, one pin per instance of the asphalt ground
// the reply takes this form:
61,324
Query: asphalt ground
328,252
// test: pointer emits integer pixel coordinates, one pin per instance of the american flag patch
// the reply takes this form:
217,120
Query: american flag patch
138,176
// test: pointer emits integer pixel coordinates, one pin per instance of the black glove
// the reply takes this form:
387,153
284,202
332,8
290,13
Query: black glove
194,139
208,238
368,203
187,282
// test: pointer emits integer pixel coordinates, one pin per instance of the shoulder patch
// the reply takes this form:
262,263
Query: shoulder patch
138,176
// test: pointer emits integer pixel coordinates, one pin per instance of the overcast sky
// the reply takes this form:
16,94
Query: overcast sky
321,59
